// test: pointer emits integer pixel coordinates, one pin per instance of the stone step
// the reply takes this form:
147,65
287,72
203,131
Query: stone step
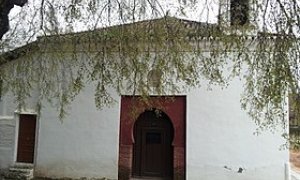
19,172
23,166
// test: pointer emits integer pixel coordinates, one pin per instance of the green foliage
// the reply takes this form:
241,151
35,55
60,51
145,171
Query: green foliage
116,59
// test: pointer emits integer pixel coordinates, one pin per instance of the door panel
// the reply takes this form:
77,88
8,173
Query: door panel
26,139
153,152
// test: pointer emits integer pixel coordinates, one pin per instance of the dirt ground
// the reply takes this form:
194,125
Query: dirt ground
295,160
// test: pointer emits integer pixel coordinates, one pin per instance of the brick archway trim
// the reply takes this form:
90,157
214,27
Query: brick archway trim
131,107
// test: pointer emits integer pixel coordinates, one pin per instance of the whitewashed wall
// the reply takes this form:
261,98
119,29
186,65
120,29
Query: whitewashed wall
7,136
9,116
85,144
7,141
219,140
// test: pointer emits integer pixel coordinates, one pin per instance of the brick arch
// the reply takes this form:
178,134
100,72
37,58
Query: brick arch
142,112
131,107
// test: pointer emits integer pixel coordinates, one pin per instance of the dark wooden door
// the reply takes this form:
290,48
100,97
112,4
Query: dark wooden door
26,139
153,150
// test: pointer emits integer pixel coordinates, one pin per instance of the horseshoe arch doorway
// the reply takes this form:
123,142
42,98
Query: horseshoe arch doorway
153,151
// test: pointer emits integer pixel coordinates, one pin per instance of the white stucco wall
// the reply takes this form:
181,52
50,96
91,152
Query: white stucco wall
7,141
85,144
219,139
7,136
9,117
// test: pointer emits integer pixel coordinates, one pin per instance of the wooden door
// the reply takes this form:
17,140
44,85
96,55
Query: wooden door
26,139
153,150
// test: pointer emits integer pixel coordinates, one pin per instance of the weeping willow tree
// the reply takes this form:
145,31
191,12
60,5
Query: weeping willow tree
122,40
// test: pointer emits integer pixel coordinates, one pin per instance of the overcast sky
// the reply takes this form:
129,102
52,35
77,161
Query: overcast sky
204,10
25,23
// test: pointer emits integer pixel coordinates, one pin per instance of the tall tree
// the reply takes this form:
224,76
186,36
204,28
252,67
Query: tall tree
269,66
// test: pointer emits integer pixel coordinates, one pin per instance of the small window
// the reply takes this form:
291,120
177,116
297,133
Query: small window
153,138
239,12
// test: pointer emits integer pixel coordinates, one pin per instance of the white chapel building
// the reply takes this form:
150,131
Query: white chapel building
195,134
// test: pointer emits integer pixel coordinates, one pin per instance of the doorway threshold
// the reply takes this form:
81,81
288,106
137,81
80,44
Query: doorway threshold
150,178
